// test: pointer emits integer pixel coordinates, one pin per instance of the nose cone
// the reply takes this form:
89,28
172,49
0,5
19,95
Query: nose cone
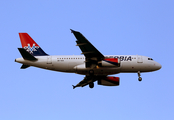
157,66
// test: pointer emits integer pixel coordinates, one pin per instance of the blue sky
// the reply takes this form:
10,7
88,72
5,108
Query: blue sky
143,27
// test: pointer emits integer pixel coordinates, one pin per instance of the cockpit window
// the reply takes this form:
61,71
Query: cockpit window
150,59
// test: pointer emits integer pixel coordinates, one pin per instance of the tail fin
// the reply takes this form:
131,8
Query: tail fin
30,45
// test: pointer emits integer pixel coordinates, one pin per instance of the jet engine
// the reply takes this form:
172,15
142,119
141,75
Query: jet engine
110,62
109,81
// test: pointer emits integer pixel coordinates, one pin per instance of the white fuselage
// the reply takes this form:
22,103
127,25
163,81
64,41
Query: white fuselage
76,64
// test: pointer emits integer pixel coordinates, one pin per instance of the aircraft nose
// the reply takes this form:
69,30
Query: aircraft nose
157,66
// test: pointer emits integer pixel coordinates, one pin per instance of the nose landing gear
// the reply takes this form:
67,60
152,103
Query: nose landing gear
139,78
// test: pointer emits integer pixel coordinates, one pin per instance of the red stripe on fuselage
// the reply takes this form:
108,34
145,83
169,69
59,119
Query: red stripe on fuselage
112,60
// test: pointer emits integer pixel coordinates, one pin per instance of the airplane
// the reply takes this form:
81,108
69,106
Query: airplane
93,64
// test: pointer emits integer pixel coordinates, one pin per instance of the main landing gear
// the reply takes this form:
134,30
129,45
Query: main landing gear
139,78
91,73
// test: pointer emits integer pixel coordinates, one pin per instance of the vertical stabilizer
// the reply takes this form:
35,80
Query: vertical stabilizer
30,45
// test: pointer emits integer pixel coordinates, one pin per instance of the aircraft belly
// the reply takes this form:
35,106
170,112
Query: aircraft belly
99,71
65,65
60,66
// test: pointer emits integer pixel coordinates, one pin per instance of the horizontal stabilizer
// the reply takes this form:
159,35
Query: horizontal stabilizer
26,55
24,66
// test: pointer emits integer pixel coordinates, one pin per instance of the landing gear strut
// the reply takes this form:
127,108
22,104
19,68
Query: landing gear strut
91,74
139,78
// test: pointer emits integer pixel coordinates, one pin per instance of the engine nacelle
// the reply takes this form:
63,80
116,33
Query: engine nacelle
110,62
109,81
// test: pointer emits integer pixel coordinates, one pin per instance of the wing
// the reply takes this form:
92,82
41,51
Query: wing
90,52
92,55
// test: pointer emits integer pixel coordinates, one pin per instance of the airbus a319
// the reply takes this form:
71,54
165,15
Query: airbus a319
93,64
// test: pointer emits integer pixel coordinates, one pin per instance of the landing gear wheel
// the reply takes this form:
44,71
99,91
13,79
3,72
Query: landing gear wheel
91,85
140,79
